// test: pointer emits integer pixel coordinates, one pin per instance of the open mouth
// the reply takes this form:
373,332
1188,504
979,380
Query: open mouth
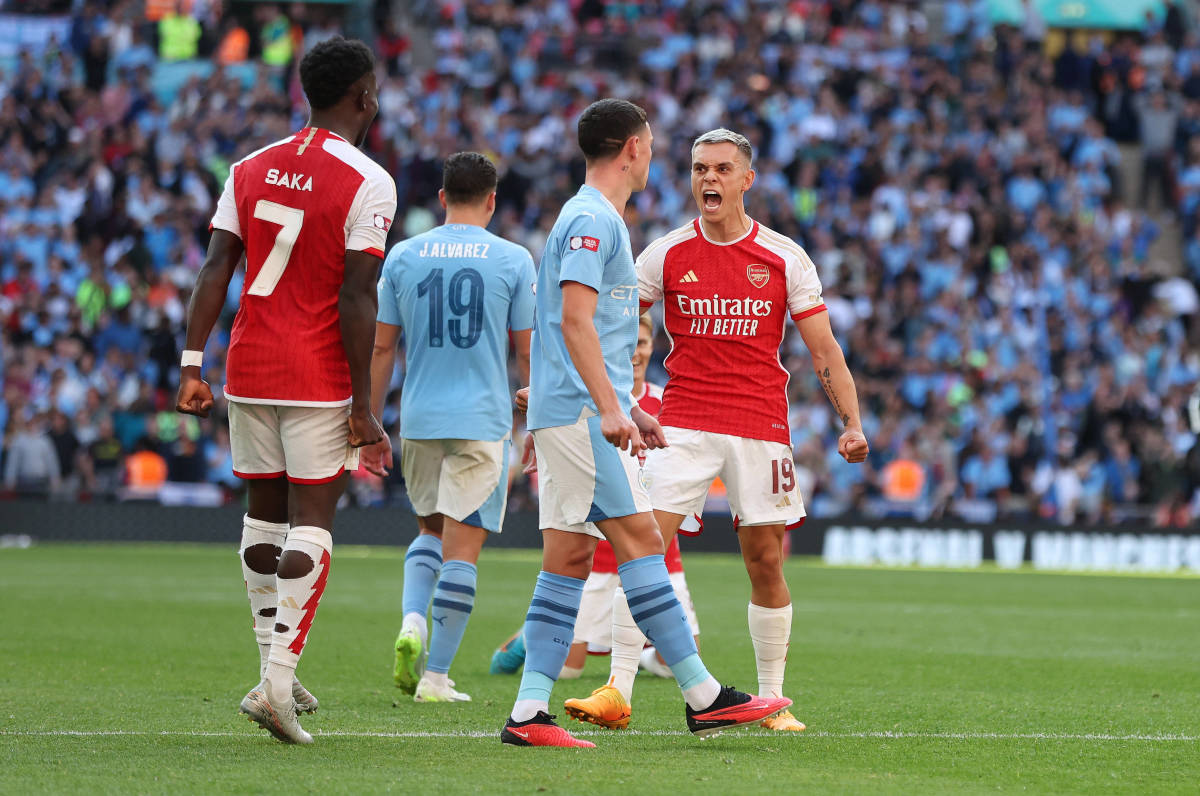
711,201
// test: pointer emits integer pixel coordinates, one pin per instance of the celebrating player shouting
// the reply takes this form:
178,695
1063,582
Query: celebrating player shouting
728,285
588,432
311,214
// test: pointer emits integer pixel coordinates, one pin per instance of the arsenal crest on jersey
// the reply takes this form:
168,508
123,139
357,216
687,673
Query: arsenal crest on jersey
758,274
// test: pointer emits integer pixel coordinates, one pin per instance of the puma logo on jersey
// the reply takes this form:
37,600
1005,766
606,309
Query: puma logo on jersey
690,276
296,182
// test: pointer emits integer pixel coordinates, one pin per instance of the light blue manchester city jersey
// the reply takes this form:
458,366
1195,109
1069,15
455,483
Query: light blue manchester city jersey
456,290
589,244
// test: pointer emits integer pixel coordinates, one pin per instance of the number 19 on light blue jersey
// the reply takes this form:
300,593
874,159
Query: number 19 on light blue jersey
456,291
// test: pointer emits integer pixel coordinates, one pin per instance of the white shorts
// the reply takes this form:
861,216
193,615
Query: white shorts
584,479
464,479
759,476
593,625
308,444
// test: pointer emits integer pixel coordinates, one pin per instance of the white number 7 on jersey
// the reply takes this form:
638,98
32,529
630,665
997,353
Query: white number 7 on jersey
291,220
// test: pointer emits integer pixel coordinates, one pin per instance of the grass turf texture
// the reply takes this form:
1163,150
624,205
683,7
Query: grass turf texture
914,681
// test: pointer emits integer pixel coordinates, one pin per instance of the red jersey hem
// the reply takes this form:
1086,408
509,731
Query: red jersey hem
374,251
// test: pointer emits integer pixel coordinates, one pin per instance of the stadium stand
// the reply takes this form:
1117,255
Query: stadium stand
1004,219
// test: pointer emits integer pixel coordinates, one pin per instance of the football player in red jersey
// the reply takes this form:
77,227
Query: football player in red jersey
310,213
728,285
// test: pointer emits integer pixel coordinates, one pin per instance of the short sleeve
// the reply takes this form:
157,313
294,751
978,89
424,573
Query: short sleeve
389,305
587,246
803,286
650,274
371,214
226,217
520,311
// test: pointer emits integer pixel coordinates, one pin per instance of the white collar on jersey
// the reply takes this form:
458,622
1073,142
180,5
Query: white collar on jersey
607,201
700,224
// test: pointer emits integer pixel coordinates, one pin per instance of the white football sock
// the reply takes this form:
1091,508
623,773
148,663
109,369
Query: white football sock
770,630
260,587
439,680
298,600
701,696
652,664
417,622
627,643
526,709
570,673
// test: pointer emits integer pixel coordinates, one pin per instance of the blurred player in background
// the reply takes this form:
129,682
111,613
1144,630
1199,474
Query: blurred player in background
311,214
728,286
588,431
457,291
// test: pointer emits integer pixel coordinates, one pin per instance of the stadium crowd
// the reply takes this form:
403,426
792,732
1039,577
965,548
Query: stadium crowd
1018,350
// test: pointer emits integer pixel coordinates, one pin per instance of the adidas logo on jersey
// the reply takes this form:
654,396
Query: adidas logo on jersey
787,501
690,276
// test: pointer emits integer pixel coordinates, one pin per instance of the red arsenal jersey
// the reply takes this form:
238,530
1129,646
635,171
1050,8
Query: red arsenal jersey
726,306
299,205
605,559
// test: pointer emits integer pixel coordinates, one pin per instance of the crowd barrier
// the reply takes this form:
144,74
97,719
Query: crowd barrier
839,542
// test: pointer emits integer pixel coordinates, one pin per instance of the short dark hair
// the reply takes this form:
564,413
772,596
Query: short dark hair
468,177
606,125
329,70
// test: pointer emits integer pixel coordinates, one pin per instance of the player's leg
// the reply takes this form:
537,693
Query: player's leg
264,531
262,544
421,464
628,641
677,479
549,630
568,545
453,601
257,453
762,489
658,613
259,458
509,656
472,492
651,661
593,625
316,456
422,568
576,660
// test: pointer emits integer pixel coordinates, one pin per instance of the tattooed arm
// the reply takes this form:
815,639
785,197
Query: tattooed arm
830,365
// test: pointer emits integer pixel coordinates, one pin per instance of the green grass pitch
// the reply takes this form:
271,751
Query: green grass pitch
121,668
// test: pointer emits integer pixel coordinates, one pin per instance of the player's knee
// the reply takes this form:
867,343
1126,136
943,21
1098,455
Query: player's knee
262,558
294,564
575,562
765,566
579,560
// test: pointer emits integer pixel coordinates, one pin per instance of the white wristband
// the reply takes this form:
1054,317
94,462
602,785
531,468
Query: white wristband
192,359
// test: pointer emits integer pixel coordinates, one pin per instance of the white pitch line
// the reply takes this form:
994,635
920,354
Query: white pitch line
884,735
